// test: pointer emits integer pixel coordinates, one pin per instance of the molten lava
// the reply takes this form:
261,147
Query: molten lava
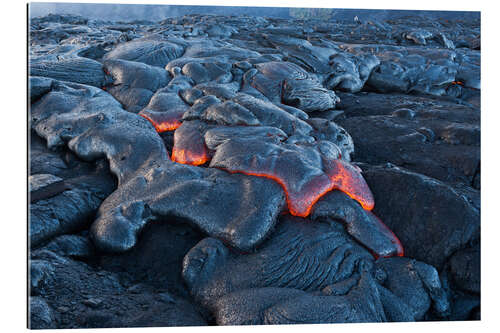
348,179
303,172
303,187
163,121
341,176
186,157
189,146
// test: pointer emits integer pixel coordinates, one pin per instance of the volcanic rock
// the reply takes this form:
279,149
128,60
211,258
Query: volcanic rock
465,269
350,73
432,220
72,246
41,315
134,83
145,170
38,86
147,50
81,296
85,117
72,209
287,82
285,260
166,160
279,306
240,210
306,173
306,256
440,140
78,70
416,284
146,263
361,224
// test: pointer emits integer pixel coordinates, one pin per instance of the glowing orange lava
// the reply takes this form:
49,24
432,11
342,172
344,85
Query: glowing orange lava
189,146
302,190
348,179
302,187
186,157
163,121
341,176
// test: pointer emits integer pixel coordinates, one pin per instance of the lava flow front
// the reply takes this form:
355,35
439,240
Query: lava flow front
163,121
189,146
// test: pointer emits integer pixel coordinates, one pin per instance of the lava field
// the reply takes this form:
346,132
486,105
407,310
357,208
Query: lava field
238,170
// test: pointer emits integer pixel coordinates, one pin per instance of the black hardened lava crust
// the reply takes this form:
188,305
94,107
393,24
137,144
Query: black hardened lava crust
237,170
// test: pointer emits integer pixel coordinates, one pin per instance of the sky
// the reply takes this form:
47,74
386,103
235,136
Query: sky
130,12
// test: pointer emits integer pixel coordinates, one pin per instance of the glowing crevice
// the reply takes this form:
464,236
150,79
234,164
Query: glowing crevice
163,121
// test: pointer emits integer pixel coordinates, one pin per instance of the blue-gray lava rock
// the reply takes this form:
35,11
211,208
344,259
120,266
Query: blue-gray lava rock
67,207
321,260
120,235
280,306
78,70
134,83
432,220
361,224
150,51
41,315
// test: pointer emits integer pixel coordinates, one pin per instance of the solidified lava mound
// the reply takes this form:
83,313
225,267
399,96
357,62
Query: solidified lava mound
247,170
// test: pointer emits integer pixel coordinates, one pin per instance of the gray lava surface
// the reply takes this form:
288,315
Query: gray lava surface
238,170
